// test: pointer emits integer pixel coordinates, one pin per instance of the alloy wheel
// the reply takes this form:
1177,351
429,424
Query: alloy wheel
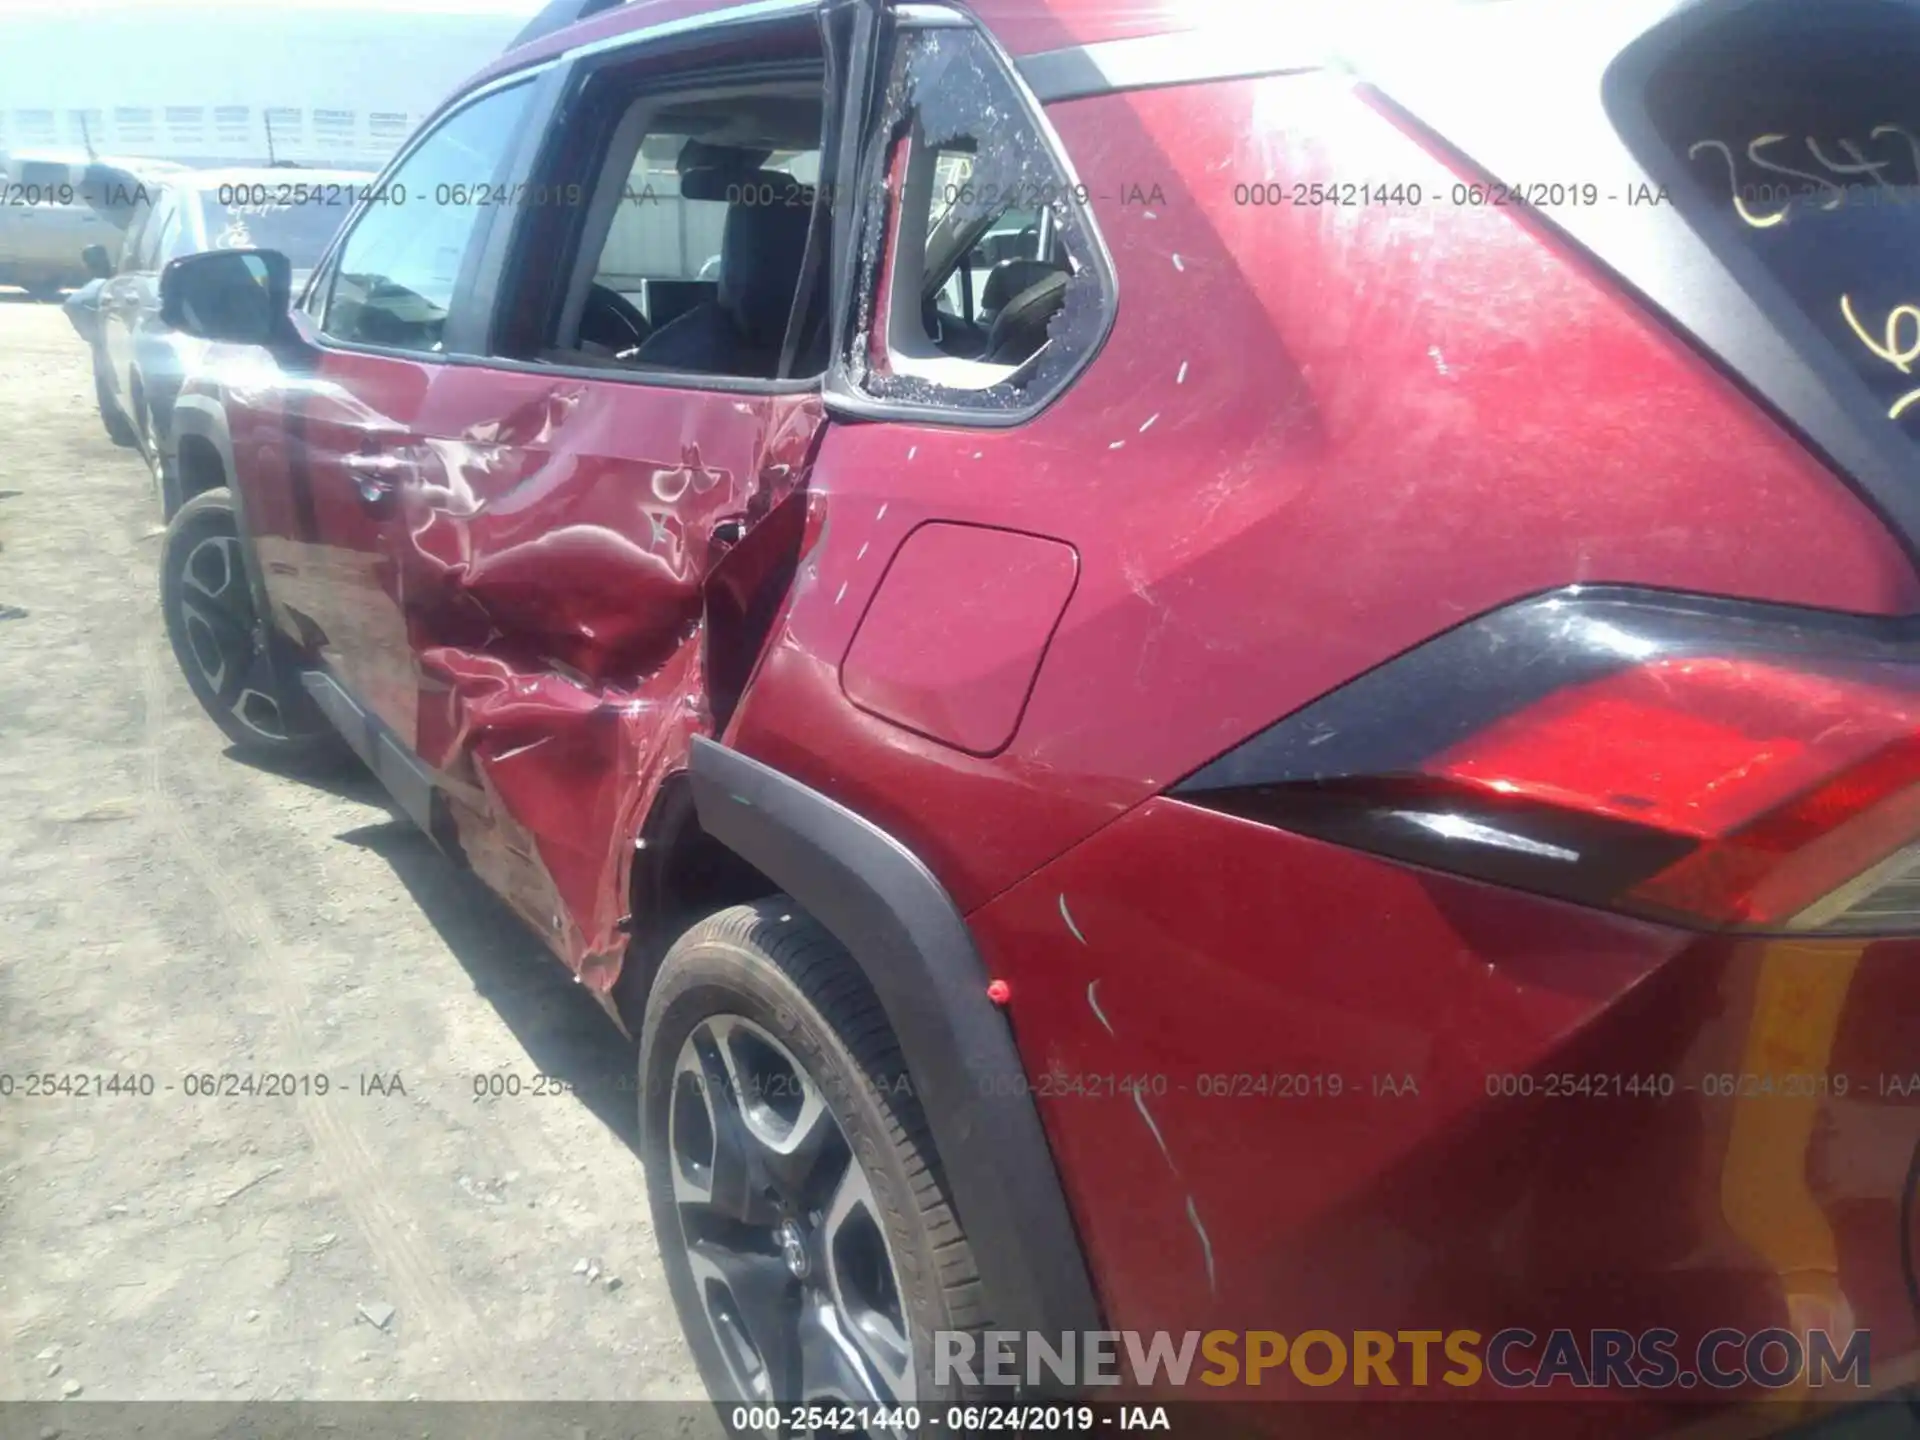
781,1228
216,615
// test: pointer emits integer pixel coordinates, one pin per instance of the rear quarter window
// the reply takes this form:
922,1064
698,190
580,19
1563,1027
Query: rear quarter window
983,287
1798,127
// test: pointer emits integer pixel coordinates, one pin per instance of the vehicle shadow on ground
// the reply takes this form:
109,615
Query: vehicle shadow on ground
348,779
566,1035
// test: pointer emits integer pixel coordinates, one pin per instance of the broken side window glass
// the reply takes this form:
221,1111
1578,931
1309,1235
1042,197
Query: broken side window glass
981,285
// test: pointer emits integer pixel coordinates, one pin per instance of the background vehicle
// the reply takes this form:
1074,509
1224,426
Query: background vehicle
54,204
138,360
82,309
1324,771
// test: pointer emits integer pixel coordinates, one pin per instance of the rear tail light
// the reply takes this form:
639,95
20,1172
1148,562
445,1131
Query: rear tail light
1715,764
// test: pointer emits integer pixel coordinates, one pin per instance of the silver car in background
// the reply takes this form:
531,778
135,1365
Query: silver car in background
56,203
139,363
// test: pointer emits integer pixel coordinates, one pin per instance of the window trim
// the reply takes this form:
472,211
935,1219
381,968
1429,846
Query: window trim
845,399
466,294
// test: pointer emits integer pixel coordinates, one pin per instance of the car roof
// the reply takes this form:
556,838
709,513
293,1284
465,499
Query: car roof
1024,27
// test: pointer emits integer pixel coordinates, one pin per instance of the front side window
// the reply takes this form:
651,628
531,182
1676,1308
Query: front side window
982,285
397,271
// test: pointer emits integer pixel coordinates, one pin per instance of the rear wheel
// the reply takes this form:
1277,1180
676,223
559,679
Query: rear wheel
208,607
808,1238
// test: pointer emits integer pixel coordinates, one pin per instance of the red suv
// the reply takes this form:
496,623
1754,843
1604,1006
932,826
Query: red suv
1176,685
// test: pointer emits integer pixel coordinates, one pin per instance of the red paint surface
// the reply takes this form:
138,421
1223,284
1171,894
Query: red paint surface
1315,438
1328,434
1180,949
1022,26
551,566
956,632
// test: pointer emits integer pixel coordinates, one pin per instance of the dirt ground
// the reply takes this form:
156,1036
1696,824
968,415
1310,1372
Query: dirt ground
167,912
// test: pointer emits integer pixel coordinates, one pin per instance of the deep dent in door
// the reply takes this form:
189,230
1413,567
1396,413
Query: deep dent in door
555,592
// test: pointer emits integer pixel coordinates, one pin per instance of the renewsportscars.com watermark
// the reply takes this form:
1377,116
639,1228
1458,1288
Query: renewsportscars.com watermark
1513,1359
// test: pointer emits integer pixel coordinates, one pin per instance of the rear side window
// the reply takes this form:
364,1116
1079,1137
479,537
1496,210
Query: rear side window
982,287
51,181
298,228
1800,126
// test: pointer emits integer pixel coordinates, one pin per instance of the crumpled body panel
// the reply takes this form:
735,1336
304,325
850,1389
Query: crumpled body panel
543,543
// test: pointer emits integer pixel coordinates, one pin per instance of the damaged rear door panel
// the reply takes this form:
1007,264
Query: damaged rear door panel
550,559
586,549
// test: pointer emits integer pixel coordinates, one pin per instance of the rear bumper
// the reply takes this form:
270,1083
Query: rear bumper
1895,1418
1293,1087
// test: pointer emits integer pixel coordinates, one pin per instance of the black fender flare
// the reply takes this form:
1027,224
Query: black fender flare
201,417
902,928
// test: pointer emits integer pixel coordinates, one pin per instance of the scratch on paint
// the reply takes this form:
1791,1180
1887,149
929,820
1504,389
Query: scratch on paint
1099,1014
1181,378
1150,419
1177,265
1064,915
1140,1104
1206,1245
843,593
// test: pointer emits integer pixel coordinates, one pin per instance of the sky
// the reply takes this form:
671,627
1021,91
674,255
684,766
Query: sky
363,55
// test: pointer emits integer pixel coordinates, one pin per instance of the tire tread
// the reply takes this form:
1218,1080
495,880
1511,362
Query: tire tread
779,932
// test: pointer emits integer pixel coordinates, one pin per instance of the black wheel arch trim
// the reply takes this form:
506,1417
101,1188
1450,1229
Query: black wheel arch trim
903,930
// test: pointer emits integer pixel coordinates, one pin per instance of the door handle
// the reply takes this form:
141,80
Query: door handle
374,475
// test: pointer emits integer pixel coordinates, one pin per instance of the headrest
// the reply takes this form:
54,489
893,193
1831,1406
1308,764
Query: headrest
761,252
1009,278
704,155
768,187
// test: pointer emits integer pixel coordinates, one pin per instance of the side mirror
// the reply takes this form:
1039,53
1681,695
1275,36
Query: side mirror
99,264
237,296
